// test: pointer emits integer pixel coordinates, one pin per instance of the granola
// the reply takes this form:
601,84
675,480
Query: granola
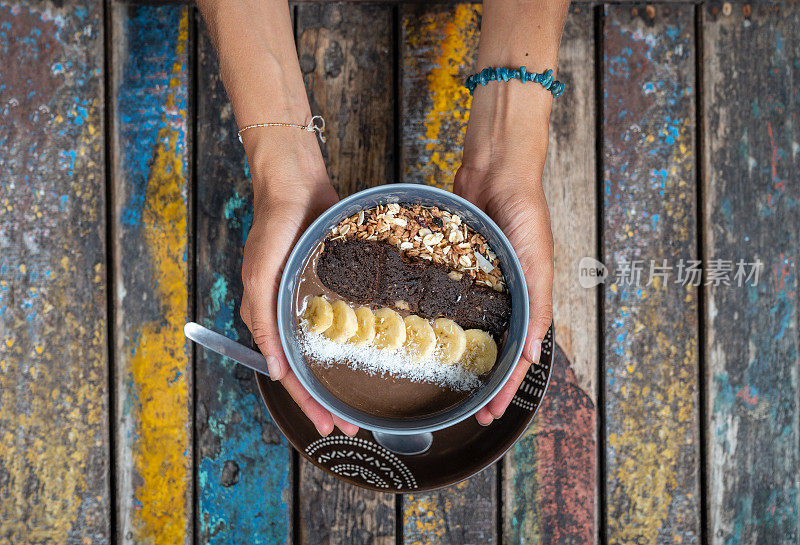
430,233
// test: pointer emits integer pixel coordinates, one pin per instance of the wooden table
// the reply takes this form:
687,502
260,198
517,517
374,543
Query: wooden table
673,414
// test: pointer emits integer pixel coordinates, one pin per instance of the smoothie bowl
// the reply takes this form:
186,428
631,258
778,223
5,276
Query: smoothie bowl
403,309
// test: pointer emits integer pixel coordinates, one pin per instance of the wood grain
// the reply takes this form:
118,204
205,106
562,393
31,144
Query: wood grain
244,466
439,50
346,55
550,491
651,331
54,436
439,44
463,513
153,369
751,172
717,4
333,512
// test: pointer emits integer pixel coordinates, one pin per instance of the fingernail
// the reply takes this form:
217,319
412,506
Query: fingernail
535,351
274,367
499,416
322,433
484,425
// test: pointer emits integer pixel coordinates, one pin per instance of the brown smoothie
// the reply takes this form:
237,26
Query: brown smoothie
376,274
381,395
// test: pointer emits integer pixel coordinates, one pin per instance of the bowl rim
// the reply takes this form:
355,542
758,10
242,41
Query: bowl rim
325,218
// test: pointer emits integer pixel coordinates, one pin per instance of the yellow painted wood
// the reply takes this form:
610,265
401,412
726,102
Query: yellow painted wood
54,448
439,50
153,367
651,329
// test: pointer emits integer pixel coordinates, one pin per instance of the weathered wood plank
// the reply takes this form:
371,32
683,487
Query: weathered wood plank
439,47
651,331
551,473
54,448
346,54
244,466
333,512
153,369
462,513
718,4
751,105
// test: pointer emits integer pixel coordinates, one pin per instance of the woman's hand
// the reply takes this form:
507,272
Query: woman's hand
291,188
504,152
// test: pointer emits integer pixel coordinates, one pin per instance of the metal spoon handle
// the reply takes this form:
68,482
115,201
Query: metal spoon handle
226,347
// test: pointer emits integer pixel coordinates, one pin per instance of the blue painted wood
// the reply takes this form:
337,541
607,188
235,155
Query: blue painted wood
244,464
54,437
153,416
752,213
651,329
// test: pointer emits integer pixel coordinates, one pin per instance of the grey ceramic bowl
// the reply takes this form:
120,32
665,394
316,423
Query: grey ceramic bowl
427,196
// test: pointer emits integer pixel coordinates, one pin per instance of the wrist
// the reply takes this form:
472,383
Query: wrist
279,157
509,122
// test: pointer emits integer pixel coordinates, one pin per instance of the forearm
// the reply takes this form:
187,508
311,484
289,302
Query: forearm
257,58
512,117
261,73
518,33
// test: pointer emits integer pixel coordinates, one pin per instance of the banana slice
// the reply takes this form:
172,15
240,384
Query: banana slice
318,315
451,341
420,338
345,323
390,330
481,352
366,327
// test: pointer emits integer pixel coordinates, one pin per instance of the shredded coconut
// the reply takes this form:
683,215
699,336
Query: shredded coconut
385,360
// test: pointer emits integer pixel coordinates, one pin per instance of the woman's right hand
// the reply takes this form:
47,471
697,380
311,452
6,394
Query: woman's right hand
290,189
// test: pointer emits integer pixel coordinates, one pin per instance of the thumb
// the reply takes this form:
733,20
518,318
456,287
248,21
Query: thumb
259,312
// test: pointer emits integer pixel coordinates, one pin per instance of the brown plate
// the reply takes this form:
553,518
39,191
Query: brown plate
458,452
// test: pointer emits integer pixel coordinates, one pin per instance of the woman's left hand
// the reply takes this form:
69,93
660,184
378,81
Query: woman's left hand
502,174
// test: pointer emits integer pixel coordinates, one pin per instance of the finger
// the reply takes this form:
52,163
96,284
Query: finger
319,416
498,405
259,313
540,294
244,311
276,366
346,427
484,417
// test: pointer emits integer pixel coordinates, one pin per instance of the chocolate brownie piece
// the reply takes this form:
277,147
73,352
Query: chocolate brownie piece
402,280
351,268
444,294
485,308
375,272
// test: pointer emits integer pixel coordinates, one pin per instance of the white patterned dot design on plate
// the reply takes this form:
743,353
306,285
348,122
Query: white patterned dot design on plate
356,458
530,392
359,473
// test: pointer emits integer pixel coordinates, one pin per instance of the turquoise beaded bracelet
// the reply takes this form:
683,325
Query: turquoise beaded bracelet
504,74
